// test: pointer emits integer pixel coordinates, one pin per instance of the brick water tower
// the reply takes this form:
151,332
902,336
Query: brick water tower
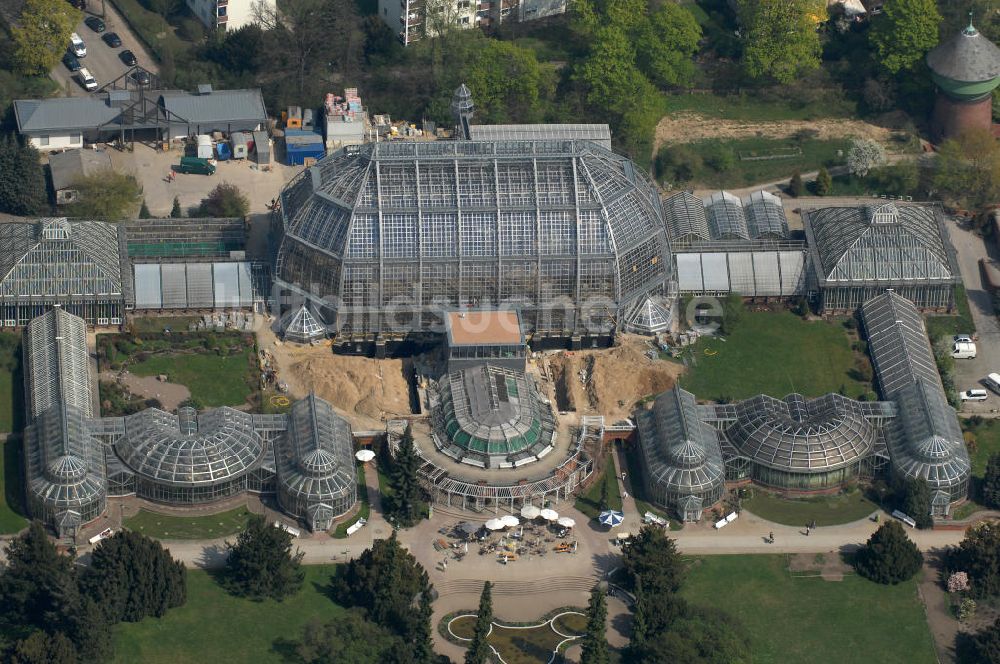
966,69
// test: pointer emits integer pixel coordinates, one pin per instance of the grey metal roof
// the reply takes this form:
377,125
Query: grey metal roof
897,341
599,133
36,116
726,219
57,370
315,457
70,165
765,215
887,243
218,106
685,216
967,57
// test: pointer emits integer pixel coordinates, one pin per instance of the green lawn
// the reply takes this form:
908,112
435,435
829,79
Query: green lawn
341,530
775,354
960,323
824,510
216,627
162,526
158,324
751,109
523,646
809,620
214,380
11,389
590,502
987,443
12,496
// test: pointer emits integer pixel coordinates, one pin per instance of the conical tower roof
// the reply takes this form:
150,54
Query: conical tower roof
967,57
302,325
648,317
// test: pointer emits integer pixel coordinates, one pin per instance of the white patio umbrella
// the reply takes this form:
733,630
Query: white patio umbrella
364,456
611,518
494,524
566,522
510,521
549,515
530,512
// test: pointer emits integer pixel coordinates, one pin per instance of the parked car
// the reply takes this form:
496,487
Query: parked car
974,395
196,166
71,62
993,382
87,80
77,46
112,39
965,338
95,24
128,57
139,77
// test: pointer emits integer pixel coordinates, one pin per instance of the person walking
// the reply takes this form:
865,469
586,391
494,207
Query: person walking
770,536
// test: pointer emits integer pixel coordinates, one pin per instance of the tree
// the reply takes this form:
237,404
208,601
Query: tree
701,636
406,503
795,186
106,196
388,582
43,34
22,181
654,557
507,83
604,495
780,41
914,497
889,556
226,200
132,576
479,649
175,211
864,156
978,555
43,648
983,647
991,482
349,638
261,563
824,183
902,37
144,211
595,640
967,169
240,51
666,46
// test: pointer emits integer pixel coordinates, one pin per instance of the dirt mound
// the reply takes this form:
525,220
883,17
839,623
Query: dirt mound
373,389
616,378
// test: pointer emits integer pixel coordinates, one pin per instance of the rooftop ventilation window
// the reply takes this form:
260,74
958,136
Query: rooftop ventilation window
885,214
205,89
55,229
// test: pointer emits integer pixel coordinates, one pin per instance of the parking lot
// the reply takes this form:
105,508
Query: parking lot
101,60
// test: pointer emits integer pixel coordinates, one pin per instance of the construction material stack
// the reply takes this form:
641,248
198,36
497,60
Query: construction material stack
344,119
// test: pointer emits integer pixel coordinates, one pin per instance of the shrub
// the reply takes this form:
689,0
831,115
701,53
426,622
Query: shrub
889,557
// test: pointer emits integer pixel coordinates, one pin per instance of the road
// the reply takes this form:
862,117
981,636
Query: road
102,60
970,373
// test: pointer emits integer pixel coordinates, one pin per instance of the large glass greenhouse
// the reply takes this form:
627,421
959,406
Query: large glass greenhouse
682,459
314,460
386,237
491,416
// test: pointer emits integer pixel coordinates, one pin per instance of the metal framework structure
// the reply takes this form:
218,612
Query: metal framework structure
479,495
723,217
898,344
302,325
682,457
859,252
390,235
314,459
491,416
78,266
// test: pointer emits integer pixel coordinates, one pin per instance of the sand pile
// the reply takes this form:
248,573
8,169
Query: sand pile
373,389
617,378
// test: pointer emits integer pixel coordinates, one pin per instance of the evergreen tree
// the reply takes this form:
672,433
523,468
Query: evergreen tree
915,500
479,649
144,211
348,638
406,504
640,617
991,482
22,180
978,555
983,647
604,495
889,556
824,183
132,576
43,648
595,641
175,211
653,556
795,186
261,563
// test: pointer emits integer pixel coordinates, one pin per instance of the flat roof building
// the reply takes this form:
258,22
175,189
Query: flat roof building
485,337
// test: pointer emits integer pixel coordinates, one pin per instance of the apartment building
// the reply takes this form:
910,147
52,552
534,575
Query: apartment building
227,14
413,20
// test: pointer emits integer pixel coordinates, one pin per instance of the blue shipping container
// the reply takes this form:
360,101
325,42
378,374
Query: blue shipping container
302,144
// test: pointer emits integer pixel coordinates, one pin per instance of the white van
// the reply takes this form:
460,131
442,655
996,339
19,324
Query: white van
77,46
963,350
993,382
87,80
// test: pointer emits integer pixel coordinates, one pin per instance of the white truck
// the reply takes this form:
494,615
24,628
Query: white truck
964,350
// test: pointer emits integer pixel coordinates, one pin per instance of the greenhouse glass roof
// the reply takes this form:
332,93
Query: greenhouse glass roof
726,220
885,243
802,435
686,217
188,449
682,453
315,457
723,216
57,363
765,215
56,258
65,463
926,440
897,341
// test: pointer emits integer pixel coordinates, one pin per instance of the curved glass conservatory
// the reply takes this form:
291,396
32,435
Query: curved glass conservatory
684,470
491,416
190,458
384,237
314,460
